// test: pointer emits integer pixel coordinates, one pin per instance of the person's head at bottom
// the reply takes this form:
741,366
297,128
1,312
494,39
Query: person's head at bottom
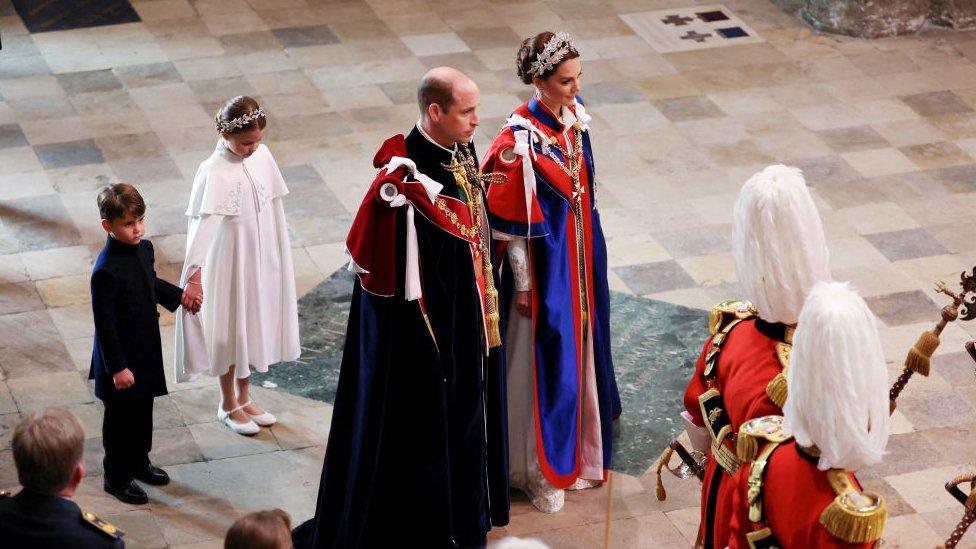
260,530
48,448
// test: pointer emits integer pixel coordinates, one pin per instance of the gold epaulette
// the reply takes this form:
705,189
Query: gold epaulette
756,472
727,311
102,526
768,428
853,516
776,388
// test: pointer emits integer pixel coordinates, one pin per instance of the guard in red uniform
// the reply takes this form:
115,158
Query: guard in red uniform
780,252
797,491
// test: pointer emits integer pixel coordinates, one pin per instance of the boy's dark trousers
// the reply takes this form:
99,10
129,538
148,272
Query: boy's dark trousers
127,437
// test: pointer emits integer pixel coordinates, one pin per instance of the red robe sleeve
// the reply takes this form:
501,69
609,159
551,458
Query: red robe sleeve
506,200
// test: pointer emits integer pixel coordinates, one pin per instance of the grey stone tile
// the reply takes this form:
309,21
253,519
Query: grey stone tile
39,223
896,505
7,424
849,193
88,81
937,409
610,93
71,153
936,103
902,456
688,108
174,446
146,170
152,74
37,108
12,136
903,307
23,65
905,187
220,90
949,442
303,178
956,368
140,528
297,37
957,179
855,138
466,62
489,37
248,42
8,469
401,93
830,169
131,146
906,244
39,357
704,240
660,276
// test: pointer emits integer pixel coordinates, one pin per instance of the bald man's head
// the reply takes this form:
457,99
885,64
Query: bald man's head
447,99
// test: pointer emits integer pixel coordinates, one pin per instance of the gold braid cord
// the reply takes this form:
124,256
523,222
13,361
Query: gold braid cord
472,182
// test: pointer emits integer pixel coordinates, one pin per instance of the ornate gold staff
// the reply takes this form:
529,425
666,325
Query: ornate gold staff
919,356
969,502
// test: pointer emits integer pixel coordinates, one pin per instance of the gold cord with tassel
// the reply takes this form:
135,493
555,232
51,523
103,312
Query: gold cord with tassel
661,463
920,355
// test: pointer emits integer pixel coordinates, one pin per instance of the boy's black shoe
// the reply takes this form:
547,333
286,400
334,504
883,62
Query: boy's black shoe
129,492
153,475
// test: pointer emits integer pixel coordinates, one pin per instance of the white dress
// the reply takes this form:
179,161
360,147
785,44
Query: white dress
238,237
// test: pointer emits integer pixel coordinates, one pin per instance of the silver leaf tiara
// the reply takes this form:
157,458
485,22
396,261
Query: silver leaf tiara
556,49
240,121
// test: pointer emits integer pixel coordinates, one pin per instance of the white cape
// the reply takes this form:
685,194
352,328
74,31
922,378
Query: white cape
237,235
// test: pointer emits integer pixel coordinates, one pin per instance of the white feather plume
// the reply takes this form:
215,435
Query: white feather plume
837,380
778,243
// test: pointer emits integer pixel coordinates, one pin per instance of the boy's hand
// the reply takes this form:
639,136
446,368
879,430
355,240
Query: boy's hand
123,379
192,297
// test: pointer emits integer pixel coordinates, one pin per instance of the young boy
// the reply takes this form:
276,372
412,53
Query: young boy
127,361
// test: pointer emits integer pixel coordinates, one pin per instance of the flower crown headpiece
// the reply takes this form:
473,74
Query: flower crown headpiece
556,49
240,121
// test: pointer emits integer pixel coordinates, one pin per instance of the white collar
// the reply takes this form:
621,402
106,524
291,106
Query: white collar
420,128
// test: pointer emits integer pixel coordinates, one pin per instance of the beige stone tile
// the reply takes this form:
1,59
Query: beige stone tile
65,290
877,162
12,268
73,321
52,389
878,218
217,441
160,10
936,155
910,531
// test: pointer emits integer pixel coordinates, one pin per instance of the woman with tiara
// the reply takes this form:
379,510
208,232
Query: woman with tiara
239,255
562,393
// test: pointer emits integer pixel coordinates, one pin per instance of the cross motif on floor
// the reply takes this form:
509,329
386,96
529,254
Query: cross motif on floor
677,20
693,35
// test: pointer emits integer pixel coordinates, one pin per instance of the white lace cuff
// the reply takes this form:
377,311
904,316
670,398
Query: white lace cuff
518,257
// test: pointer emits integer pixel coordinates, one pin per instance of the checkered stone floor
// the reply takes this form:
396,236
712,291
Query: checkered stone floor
885,132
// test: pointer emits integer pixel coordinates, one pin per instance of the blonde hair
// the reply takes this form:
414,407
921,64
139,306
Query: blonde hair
47,446
837,380
778,243
260,530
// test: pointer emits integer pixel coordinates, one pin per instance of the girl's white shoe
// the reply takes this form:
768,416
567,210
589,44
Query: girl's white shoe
265,419
247,428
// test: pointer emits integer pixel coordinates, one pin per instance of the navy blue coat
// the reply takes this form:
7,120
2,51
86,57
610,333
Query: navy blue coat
418,442
125,291
39,521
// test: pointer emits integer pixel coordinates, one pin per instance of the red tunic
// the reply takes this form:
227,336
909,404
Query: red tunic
746,364
794,493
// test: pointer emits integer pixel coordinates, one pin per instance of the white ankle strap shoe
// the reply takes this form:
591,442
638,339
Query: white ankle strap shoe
265,419
247,428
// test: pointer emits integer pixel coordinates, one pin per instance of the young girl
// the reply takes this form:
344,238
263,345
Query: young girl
239,255
562,394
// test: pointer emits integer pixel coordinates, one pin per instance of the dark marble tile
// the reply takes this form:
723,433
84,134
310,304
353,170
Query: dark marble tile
902,456
830,169
903,307
39,222
23,65
297,37
248,42
905,187
88,81
132,146
490,37
688,108
704,240
72,153
936,103
401,93
957,179
220,90
937,409
848,193
54,15
855,138
906,244
12,136
152,74
660,276
609,93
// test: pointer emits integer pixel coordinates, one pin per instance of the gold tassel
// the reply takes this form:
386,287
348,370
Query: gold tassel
494,333
853,526
746,446
661,463
918,359
776,389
